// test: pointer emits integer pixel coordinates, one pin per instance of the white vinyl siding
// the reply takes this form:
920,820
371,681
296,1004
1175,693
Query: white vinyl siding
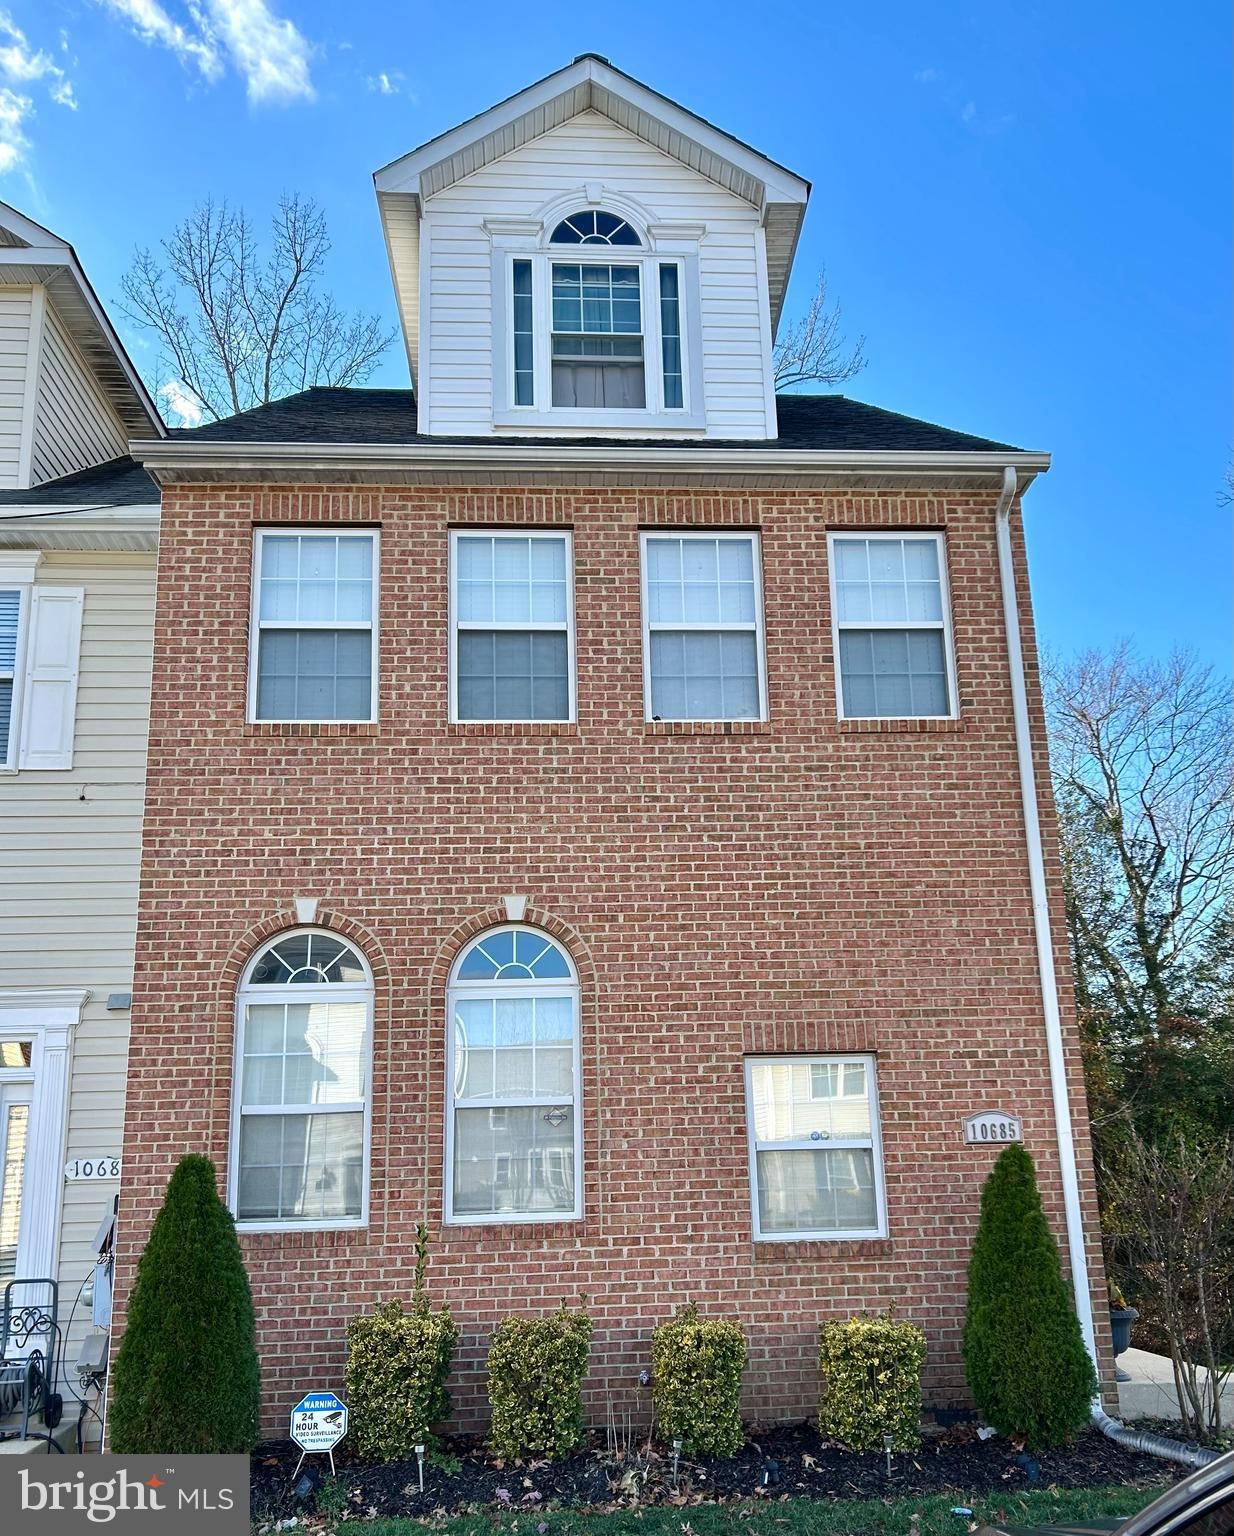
816,1164
74,426
457,343
70,846
15,320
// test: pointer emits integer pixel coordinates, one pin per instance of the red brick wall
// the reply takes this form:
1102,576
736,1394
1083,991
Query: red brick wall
803,885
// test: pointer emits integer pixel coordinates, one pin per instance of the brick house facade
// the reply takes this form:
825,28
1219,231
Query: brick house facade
805,883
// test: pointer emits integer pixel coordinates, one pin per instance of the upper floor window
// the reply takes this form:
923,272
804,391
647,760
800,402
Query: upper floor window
10,632
702,627
514,1140
299,1145
599,329
892,625
314,626
512,626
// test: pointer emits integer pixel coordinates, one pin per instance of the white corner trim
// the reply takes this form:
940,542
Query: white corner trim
1041,923
34,366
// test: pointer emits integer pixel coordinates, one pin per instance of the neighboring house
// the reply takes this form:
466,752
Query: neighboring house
78,536
595,805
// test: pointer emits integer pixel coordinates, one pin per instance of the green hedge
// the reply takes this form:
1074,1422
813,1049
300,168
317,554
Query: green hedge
536,1367
397,1367
696,1366
871,1382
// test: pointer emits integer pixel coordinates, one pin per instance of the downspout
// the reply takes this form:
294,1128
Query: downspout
1155,1445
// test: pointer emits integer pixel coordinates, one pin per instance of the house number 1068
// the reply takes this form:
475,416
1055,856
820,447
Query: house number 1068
92,1168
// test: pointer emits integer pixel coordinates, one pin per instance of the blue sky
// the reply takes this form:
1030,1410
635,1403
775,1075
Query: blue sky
1024,207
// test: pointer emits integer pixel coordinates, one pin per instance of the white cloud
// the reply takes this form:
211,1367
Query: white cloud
181,402
926,76
267,51
14,142
271,54
386,84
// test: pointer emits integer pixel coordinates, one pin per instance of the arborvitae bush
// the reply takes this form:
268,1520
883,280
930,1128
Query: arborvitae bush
397,1367
186,1377
536,1367
696,1366
1028,1369
871,1382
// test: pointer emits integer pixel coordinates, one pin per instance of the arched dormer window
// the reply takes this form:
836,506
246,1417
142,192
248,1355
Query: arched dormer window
602,329
593,226
514,1138
304,1024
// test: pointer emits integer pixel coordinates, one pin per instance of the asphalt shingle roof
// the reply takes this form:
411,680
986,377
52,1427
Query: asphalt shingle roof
379,417
118,483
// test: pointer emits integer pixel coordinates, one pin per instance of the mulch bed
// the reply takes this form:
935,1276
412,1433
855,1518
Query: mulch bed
785,1460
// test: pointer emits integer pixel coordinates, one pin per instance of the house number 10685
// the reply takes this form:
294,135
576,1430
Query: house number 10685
992,1126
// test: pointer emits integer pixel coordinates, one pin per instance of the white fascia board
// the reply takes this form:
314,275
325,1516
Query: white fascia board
24,227
184,458
403,174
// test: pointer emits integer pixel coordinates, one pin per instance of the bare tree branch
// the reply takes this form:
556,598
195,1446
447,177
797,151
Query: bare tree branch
814,349
236,330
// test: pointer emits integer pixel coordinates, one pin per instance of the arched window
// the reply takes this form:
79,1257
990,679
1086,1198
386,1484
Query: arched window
304,1024
514,1138
594,227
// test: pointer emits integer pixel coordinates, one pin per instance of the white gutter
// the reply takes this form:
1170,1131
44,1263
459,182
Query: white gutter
1041,924
187,455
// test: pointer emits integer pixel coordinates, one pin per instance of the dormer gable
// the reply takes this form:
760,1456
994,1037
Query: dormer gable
586,259
70,397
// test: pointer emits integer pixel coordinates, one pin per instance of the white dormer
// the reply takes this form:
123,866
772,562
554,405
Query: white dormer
588,258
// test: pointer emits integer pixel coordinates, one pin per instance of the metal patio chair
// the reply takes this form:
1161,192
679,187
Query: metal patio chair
29,1335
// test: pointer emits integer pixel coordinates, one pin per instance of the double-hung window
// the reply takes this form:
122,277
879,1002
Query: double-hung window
599,329
703,627
513,1133
892,625
512,626
815,1159
314,639
300,1113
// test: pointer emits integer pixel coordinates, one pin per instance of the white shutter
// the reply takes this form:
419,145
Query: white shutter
49,702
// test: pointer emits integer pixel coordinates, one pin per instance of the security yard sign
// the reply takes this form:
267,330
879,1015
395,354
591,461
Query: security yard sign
992,1128
318,1423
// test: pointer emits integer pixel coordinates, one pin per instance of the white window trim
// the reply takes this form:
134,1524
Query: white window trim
47,1018
752,536
334,992
457,989
583,419
953,698
838,1144
256,623
25,596
514,627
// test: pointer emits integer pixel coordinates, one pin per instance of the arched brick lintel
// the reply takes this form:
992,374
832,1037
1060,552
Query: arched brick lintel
495,917
247,945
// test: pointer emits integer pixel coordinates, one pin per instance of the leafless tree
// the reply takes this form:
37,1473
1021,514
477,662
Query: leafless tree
814,349
1169,1216
1143,766
238,327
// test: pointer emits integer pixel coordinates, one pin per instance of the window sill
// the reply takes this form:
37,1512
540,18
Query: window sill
327,728
513,1229
707,728
919,725
781,1250
581,419
512,728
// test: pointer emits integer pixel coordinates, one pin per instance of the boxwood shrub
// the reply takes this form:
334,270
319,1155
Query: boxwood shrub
397,1366
871,1382
536,1367
696,1366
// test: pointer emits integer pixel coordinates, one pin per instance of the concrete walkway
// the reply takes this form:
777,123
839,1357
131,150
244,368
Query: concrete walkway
1150,1392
